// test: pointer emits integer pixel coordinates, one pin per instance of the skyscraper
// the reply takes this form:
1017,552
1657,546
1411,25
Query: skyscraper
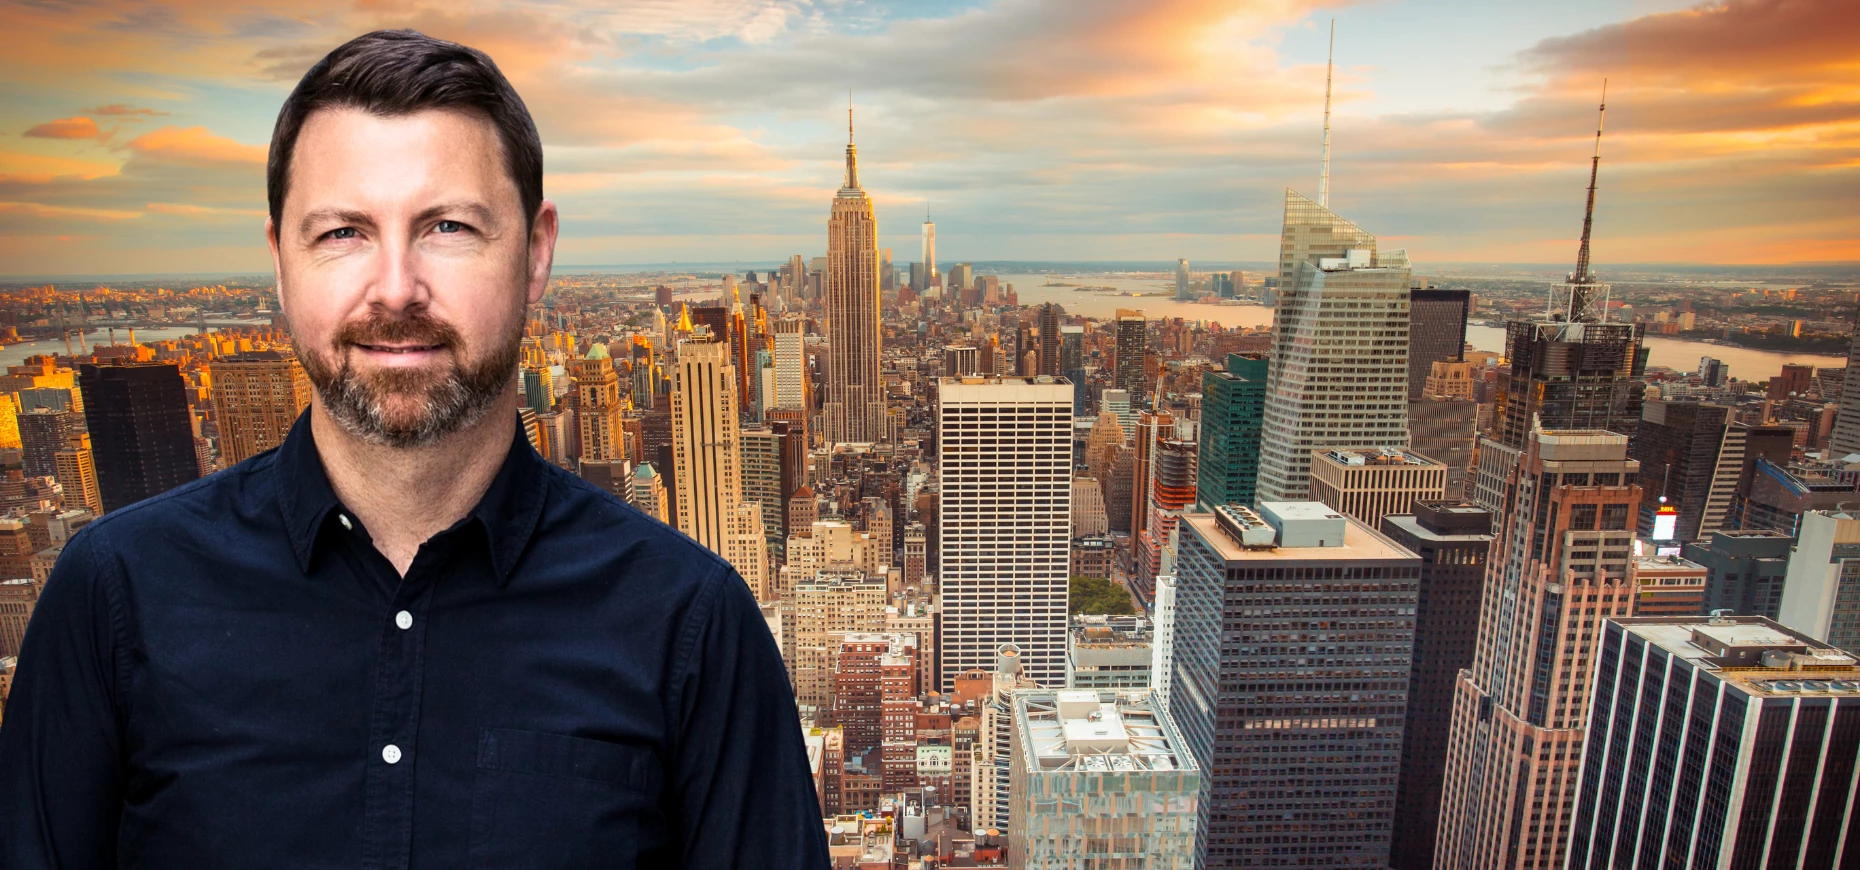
1370,484
1821,591
1726,742
1072,365
1690,455
1454,540
42,433
855,406
1127,353
597,393
140,429
1294,628
792,389
1561,566
257,397
707,461
1005,456
1571,370
1339,370
1436,332
77,475
1232,403
1183,282
1171,492
930,274
1048,345
1846,438
1312,232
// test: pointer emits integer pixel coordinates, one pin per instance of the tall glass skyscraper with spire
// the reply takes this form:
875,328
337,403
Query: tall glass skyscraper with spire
855,405
1339,370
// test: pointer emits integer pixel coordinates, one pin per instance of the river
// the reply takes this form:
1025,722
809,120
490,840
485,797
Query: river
14,354
1744,363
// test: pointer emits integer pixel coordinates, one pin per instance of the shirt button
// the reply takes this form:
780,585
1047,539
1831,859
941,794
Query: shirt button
345,522
403,619
390,754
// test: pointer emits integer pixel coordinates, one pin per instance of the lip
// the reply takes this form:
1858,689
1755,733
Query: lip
399,354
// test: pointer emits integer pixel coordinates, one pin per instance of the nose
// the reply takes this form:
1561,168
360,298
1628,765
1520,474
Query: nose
399,282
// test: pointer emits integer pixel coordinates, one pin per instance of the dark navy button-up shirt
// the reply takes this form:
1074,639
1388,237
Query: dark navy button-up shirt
231,675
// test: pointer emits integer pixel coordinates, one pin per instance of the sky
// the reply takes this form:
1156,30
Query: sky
133,133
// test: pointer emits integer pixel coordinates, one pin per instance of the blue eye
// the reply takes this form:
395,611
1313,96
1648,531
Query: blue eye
338,233
455,226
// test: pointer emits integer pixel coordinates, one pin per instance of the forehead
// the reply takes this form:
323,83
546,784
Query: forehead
364,159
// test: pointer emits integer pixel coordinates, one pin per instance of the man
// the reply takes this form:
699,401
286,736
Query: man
401,639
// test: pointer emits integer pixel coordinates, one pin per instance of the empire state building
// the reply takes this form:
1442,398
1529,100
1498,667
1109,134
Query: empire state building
855,405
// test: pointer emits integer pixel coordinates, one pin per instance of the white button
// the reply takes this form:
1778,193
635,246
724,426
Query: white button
345,522
403,619
390,754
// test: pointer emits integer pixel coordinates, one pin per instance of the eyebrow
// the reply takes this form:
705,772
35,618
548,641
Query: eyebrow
476,210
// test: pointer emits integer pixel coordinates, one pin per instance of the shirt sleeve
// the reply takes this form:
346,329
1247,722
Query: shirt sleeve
742,790
60,738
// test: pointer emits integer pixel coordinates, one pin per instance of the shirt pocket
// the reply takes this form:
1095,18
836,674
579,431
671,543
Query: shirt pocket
555,801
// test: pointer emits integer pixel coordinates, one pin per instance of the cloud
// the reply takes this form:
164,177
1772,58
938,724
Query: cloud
124,111
78,127
194,146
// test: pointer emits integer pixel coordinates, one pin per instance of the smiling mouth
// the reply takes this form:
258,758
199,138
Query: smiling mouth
399,348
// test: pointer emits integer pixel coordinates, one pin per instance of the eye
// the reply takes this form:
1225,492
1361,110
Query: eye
341,233
449,226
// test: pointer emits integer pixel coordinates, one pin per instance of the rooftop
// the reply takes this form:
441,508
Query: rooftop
1755,653
1376,456
1090,731
1359,543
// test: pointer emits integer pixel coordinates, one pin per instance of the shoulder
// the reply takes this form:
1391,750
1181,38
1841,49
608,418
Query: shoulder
578,508
192,510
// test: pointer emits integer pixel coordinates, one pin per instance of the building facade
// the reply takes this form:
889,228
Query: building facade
1004,560
1233,402
855,403
257,396
1373,483
141,431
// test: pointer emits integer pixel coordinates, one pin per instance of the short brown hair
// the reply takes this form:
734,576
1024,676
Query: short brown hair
398,72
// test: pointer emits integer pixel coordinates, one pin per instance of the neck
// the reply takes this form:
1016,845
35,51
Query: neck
405,495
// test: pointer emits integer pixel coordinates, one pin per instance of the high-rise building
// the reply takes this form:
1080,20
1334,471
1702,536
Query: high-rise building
1162,644
1099,779
855,405
765,481
1571,370
1048,346
1453,539
1171,484
1072,366
1108,652
1004,557
1445,429
1453,379
1846,437
42,433
19,596
598,406
707,462
930,274
791,382
1373,483
1436,332
1727,742
1184,283
1127,353
648,493
1151,428
1294,628
77,474
1821,591
1232,404
1744,570
140,428
1338,376
1312,232
1088,514
257,396
1685,464
1561,565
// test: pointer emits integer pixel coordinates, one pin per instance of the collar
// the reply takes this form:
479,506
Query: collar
508,511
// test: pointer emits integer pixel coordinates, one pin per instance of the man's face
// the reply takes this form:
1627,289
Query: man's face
404,269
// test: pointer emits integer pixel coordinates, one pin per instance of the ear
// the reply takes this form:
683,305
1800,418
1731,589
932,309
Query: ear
277,261
542,249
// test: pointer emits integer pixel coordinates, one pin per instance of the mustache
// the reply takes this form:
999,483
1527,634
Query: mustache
383,328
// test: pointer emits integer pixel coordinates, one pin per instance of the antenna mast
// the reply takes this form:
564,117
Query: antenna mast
1588,215
1324,179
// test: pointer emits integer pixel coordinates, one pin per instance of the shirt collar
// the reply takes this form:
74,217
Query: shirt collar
508,511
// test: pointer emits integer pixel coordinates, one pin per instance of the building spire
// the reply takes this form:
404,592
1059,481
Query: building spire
1324,179
852,153
1582,275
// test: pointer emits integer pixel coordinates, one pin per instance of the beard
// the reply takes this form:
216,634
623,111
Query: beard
409,407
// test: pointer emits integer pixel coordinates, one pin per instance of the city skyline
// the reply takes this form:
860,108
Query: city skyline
699,132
